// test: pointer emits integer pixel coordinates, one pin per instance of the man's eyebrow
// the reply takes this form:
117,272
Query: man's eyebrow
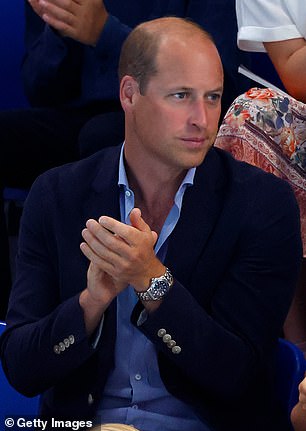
216,90
180,88
184,88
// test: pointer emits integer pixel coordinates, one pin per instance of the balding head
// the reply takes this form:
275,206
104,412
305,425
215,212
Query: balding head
139,51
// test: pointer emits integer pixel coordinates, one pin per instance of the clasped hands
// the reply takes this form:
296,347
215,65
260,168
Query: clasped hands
81,20
119,255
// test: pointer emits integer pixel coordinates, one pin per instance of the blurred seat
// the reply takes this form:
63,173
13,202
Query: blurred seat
18,195
13,404
291,367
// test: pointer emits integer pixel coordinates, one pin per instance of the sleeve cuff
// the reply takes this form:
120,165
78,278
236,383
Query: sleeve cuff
97,334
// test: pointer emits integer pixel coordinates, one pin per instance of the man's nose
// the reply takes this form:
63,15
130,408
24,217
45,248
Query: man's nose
198,115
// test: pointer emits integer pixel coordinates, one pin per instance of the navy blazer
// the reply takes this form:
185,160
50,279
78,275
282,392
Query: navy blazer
234,253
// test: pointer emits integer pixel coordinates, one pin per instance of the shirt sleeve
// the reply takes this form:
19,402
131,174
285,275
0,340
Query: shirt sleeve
98,333
267,21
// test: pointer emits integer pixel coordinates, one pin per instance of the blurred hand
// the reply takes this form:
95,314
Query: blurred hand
81,20
302,394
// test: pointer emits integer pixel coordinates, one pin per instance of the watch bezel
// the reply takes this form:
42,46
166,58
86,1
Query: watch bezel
155,291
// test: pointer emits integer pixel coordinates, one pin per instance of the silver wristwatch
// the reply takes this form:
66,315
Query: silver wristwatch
159,287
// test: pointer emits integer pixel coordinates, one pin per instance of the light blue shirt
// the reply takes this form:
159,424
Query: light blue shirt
134,393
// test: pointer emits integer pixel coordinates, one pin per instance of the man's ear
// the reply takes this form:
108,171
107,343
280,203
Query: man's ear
128,90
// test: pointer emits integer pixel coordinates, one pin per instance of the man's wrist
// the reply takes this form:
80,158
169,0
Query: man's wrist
158,287
87,300
93,310
100,29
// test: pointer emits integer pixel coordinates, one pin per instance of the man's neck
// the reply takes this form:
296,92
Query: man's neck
154,193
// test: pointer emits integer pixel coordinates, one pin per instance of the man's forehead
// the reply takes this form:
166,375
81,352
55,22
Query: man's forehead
176,49
184,40
178,60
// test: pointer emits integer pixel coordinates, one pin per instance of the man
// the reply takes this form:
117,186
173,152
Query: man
193,261
70,78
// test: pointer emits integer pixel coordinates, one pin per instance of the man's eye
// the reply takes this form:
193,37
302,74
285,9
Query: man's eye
181,95
214,97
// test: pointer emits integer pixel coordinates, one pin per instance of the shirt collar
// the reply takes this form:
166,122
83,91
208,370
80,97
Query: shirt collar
123,181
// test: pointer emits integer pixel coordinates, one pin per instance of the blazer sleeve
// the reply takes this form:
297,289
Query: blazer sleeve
44,322
59,71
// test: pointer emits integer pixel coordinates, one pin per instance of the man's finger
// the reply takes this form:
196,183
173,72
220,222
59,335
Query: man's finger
116,227
137,221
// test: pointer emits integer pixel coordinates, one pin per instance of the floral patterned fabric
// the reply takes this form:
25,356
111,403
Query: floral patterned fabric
267,129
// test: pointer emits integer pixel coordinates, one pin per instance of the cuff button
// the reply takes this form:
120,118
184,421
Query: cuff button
166,338
176,350
161,332
171,344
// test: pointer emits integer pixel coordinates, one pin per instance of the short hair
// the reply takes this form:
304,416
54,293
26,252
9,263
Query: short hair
140,49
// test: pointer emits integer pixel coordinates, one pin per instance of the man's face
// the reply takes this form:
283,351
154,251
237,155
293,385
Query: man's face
175,121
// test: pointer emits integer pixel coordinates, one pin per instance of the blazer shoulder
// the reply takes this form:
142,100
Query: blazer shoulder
245,174
84,172
254,189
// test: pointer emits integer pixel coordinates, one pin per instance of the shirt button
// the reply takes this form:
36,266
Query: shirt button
128,194
138,376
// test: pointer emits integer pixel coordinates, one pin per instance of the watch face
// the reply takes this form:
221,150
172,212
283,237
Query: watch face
158,289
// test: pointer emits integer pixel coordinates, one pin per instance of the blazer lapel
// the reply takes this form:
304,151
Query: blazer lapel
103,198
202,204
